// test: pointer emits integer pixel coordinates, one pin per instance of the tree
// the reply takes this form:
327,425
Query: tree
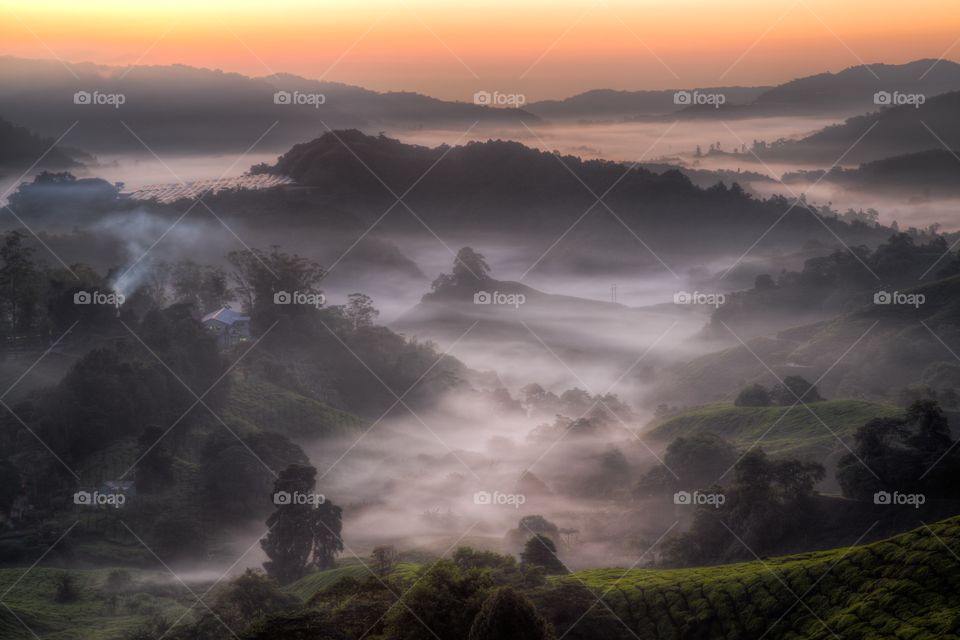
767,502
384,557
469,268
794,389
245,601
541,551
907,454
252,595
19,284
360,310
303,534
507,614
529,526
756,395
66,588
259,275
442,604
699,460
204,286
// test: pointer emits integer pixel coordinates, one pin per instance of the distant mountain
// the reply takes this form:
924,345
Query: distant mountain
608,104
890,131
841,94
189,109
846,93
20,148
916,176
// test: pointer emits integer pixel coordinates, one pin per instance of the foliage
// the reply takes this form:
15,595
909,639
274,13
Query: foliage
766,501
756,395
469,269
794,390
542,552
442,604
383,558
910,454
67,590
903,587
260,274
507,614
698,460
792,431
203,286
302,535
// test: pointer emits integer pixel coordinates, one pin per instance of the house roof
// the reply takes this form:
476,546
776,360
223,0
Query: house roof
225,315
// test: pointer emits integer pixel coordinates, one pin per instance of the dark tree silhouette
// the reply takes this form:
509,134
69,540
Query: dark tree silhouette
302,535
756,395
794,389
469,268
507,614
541,551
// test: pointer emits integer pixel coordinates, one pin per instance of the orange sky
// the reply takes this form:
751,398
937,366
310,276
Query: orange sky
451,49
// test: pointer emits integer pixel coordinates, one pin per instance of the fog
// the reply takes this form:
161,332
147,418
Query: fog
629,141
413,479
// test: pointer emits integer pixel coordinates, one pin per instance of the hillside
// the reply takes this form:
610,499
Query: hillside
505,187
20,148
193,109
608,104
98,614
920,175
885,132
260,403
884,348
846,92
903,587
792,432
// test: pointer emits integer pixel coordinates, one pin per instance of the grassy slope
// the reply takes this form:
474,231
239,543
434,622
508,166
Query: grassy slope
262,405
903,587
797,433
91,617
306,587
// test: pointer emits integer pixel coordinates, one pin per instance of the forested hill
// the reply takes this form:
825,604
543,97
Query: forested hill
20,148
505,186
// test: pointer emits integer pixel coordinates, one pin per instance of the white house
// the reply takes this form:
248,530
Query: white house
230,327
